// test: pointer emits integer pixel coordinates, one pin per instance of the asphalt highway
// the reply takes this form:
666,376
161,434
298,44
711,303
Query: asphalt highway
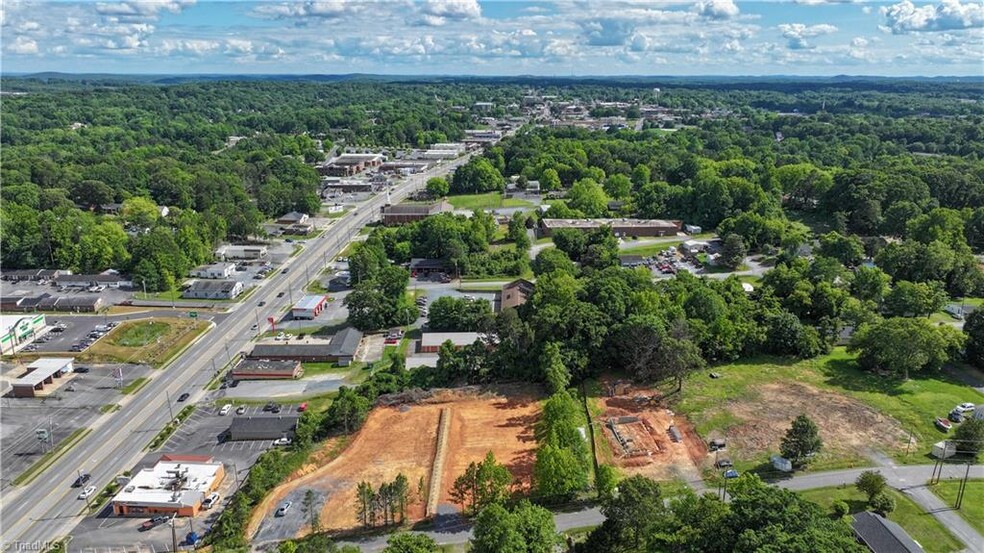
47,508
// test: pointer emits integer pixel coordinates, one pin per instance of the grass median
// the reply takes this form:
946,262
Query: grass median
165,433
134,386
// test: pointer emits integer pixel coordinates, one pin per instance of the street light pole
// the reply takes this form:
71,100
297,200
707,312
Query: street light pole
171,412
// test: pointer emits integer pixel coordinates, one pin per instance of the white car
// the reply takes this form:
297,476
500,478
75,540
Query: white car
210,501
283,509
966,407
88,491
225,409
282,441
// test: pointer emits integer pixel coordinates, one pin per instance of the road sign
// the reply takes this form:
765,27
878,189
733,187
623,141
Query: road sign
193,314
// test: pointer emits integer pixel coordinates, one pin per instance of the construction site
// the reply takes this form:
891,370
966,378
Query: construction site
635,432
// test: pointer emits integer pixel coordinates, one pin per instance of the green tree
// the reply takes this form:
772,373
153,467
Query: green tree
870,483
477,176
870,284
557,473
409,542
904,346
348,411
495,531
553,259
139,211
366,504
555,374
536,526
606,481
915,299
635,511
482,484
801,441
310,508
549,180
733,251
437,187
969,437
974,331
847,249
588,197
882,503
640,176
618,186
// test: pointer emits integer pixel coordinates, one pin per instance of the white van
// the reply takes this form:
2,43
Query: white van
225,409
210,501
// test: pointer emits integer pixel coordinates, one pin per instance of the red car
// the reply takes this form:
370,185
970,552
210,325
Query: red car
302,407
943,424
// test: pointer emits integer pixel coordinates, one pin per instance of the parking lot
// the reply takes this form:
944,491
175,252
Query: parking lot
64,411
68,332
109,296
199,435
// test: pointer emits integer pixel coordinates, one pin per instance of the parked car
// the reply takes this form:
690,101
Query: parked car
269,406
724,463
283,271
210,501
277,408
241,410
943,424
225,409
282,510
302,407
282,442
956,415
152,523
82,370
280,295
966,407
254,327
731,473
184,396
87,492
81,480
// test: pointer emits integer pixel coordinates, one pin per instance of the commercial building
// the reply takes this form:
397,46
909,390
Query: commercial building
47,302
516,293
347,165
316,352
215,270
33,274
241,252
420,266
86,281
17,331
631,261
691,247
169,488
213,289
43,371
440,154
293,218
621,227
308,307
267,369
331,186
430,342
344,345
450,146
482,135
261,427
407,213
405,166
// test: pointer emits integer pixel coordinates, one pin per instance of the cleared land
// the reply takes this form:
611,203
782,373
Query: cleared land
632,432
753,403
972,507
402,438
486,201
922,526
151,341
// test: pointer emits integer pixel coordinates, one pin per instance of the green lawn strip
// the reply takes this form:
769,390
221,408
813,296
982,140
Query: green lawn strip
170,295
972,506
491,200
171,426
50,457
648,250
110,408
297,250
544,240
337,214
316,369
922,526
914,403
100,499
134,385
140,334
317,403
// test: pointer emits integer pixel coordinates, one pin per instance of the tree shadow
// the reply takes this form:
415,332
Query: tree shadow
845,374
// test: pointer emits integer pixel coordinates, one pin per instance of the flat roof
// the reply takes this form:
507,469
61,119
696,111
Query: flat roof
266,366
170,484
345,343
309,302
291,350
42,369
593,223
218,285
457,338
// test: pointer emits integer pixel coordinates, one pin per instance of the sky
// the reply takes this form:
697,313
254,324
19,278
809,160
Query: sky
495,37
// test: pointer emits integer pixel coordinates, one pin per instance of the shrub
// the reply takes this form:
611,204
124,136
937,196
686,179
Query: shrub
883,503
840,508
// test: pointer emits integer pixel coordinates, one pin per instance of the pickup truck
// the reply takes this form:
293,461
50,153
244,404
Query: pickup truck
152,523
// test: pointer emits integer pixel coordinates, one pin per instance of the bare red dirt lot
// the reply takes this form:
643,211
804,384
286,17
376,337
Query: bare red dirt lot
646,446
403,439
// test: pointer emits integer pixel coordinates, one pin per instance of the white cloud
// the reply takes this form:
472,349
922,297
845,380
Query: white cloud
949,15
436,13
797,33
859,42
323,9
195,47
717,9
607,31
141,8
22,45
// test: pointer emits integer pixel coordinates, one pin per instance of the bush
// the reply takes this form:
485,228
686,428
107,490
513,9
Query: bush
882,503
840,508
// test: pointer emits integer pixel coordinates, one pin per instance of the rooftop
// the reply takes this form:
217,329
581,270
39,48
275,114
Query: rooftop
593,223
266,366
345,343
431,339
170,484
290,350
213,285
43,368
882,535
309,302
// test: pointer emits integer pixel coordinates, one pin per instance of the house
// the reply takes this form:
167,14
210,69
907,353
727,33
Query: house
344,345
691,247
621,227
215,270
631,260
406,213
175,488
430,342
293,218
260,427
241,252
43,371
298,229
533,187
86,281
213,289
267,369
420,266
308,307
19,330
881,535
692,229
515,293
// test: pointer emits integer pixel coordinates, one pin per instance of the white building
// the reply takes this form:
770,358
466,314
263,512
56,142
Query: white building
169,488
17,331
451,146
215,270
241,252
439,154
213,290
430,342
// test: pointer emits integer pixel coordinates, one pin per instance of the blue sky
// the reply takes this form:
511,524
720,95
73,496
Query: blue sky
580,37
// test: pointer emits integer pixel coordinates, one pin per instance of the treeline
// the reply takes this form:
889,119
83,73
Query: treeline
379,299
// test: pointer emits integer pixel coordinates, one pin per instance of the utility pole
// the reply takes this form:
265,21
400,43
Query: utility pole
963,486
168,395
174,536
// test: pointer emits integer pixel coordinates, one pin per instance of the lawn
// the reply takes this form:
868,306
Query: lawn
972,507
152,341
921,525
168,295
315,369
491,200
139,334
831,387
648,250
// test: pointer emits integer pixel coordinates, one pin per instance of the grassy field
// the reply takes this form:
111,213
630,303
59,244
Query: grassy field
151,341
723,406
168,295
491,200
648,250
972,507
921,525
138,335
